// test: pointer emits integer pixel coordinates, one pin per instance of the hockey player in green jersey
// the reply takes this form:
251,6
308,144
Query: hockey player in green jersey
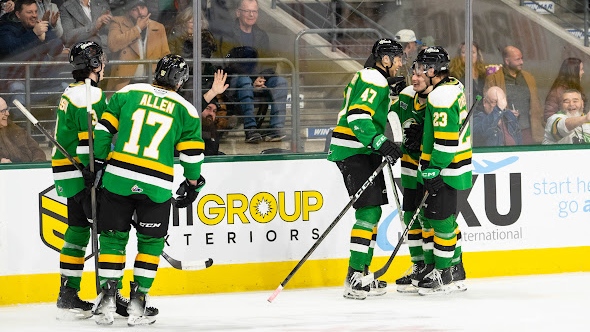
445,168
358,146
151,120
410,107
71,132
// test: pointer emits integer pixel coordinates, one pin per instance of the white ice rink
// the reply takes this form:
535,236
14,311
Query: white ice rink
533,303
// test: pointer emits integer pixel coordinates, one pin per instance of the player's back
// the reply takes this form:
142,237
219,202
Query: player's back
151,122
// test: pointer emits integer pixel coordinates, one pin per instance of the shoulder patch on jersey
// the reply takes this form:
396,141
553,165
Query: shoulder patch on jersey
76,94
373,76
408,91
444,96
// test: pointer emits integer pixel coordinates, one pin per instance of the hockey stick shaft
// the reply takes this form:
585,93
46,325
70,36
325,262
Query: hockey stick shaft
395,195
354,198
365,280
466,121
94,234
36,123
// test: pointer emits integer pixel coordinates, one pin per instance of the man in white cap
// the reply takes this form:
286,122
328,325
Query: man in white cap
407,38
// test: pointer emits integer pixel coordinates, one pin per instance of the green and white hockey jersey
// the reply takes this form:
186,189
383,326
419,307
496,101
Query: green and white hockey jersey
442,147
71,132
150,122
409,111
363,115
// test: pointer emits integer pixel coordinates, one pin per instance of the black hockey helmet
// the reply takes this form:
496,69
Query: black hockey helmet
386,46
87,54
433,57
171,71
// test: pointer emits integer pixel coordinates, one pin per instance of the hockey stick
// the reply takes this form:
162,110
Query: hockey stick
464,124
36,123
94,233
194,265
354,198
365,280
395,195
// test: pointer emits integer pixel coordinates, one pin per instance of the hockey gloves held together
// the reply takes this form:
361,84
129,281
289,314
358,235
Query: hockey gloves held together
93,178
433,182
396,85
413,137
386,148
187,193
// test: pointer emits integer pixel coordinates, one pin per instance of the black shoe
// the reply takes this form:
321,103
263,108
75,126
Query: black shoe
105,306
458,272
70,305
137,308
123,303
274,136
437,278
253,137
406,279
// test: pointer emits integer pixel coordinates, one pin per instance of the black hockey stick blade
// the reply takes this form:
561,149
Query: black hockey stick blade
365,280
354,198
192,265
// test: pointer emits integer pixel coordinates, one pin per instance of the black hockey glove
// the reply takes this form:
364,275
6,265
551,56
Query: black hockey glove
187,193
93,178
386,148
433,182
396,85
413,137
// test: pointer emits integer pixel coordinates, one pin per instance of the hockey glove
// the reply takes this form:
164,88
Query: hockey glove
386,148
187,193
396,85
433,182
413,137
93,178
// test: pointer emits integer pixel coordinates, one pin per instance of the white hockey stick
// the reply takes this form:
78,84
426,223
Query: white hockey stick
192,265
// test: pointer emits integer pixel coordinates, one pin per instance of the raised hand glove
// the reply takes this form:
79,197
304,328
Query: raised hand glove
187,193
433,182
386,148
396,85
413,137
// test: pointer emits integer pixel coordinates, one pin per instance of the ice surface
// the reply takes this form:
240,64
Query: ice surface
555,302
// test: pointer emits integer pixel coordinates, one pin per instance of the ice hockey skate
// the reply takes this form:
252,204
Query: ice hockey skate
419,272
376,287
105,305
137,308
123,302
459,276
438,282
69,305
353,288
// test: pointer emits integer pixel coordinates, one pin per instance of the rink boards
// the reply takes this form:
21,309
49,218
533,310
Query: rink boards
527,213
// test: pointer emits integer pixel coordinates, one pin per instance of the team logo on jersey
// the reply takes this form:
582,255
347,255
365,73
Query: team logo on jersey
136,189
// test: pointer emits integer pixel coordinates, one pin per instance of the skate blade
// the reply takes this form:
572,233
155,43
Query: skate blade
407,289
352,295
443,290
140,320
104,318
72,314
377,292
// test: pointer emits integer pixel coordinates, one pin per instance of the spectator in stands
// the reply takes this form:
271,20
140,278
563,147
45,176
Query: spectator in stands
496,125
134,36
85,20
246,34
16,146
7,7
569,77
169,15
407,38
180,40
209,128
570,125
478,68
23,37
521,91
53,16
